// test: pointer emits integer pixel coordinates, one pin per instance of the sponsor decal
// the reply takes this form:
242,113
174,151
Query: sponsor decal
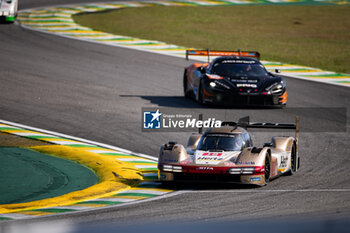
212,154
205,168
246,163
255,179
243,81
284,159
209,158
239,61
246,85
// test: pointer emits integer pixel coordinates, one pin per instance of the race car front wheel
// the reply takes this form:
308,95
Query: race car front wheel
186,93
201,100
267,169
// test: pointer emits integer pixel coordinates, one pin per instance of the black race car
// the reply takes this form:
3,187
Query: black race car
233,78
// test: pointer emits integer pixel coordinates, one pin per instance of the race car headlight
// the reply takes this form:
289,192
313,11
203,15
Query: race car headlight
242,170
177,168
214,76
170,168
275,88
167,168
219,85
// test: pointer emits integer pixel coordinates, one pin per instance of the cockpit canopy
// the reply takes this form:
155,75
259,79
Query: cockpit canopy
235,69
224,142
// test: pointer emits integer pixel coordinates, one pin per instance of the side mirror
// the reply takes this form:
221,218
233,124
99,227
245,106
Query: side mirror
277,71
201,69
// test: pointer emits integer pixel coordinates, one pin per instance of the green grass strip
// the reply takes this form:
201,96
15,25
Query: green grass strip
43,137
94,7
48,16
188,3
115,39
5,218
151,177
149,169
53,210
136,195
9,128
301,34
45,21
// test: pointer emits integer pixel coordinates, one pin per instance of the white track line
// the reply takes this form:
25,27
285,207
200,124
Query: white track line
269,191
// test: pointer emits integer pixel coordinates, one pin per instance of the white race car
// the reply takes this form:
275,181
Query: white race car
8,10
227,154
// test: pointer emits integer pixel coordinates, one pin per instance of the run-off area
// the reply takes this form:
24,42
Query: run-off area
26,175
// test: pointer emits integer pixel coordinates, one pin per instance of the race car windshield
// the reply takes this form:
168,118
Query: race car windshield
221,143
234,69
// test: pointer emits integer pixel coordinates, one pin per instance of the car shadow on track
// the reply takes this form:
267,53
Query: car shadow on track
182,102
206,186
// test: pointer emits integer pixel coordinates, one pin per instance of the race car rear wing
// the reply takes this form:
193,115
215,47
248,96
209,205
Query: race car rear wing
244,122
209,53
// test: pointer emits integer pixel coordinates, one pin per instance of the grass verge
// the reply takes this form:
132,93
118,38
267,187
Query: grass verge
114,176
317,36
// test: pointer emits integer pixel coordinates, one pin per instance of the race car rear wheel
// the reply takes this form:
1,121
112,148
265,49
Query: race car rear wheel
293,161
267,168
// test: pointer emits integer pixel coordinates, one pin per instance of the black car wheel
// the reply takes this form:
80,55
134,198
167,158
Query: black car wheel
186,93
201,95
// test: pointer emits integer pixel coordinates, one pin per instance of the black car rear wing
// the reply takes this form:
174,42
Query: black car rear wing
208,52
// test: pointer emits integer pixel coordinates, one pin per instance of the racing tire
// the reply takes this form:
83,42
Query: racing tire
293,161
186,93
267,169
201,95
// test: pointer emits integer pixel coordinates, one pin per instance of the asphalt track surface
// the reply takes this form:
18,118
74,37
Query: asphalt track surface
96,92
